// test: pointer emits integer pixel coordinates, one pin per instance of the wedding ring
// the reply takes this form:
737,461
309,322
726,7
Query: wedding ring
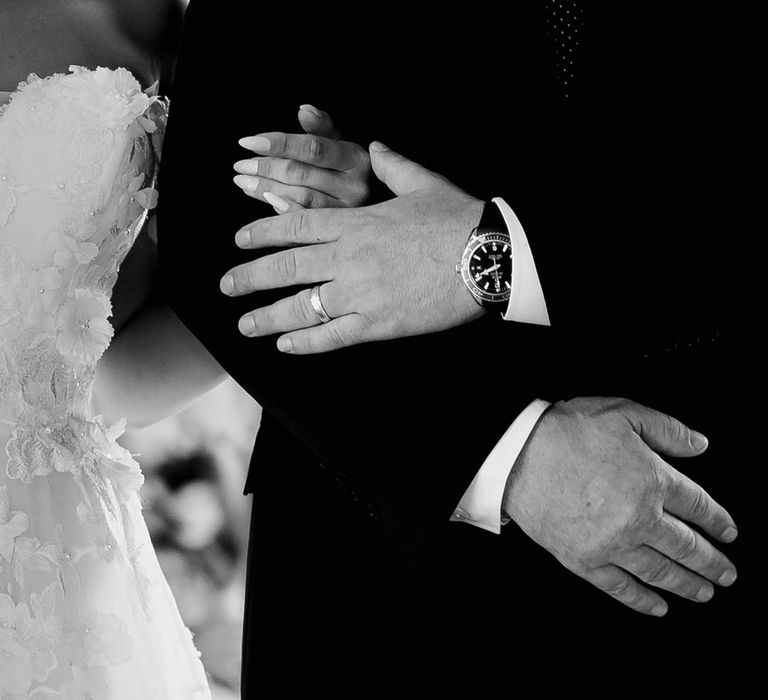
317,305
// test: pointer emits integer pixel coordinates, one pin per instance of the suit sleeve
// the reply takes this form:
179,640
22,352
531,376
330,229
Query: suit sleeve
389,419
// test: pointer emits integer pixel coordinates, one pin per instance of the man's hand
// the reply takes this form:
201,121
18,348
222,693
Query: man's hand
386,271
312,170
592,489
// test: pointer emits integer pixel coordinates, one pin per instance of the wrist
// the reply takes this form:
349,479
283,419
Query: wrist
486,261
466,220
513,500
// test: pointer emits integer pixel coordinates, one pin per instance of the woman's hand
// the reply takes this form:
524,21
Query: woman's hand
315,170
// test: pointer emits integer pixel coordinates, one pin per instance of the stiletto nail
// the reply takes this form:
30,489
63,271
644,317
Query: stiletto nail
247,167
255,143
246,182
277,202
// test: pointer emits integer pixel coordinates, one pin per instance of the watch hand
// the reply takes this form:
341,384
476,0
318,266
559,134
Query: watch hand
491,269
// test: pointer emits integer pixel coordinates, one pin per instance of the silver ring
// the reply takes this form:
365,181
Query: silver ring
317,305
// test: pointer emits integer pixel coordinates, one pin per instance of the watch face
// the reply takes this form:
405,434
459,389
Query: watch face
487,267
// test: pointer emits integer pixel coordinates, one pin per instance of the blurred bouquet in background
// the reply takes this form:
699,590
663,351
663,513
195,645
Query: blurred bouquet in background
195,465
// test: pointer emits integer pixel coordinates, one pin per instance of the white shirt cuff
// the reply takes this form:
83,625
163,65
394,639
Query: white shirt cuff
526,302
481,503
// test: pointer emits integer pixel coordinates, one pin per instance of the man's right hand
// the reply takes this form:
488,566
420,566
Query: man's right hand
591,488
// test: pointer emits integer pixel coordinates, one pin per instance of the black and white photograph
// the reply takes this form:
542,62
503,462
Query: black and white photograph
363,348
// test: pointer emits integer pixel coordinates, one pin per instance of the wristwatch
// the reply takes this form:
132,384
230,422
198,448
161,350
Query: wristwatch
486,266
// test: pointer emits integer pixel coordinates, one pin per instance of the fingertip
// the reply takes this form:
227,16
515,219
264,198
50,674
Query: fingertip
699,442
285,344
314,111
728,578
246,325
378,147
259,144
659,610
246,182
730,534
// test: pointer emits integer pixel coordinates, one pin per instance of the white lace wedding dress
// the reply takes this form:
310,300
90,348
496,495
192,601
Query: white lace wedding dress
85,612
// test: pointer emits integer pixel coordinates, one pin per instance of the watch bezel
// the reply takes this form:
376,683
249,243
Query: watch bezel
476,241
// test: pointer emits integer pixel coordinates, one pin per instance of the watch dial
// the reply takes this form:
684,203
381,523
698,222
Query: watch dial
490,267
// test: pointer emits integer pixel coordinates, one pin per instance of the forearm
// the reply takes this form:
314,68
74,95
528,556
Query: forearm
153,368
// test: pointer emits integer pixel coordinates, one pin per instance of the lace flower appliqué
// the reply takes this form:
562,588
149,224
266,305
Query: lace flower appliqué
26,652
83,332
35,449
113,96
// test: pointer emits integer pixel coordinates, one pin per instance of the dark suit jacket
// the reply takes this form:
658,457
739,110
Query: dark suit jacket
617,186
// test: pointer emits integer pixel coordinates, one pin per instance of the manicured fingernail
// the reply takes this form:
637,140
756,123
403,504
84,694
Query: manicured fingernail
246,182
255,143
378,146
312,109
727,578
277,202
243,237
227,284
246,325
698,441
730,534
705,593
284,344
247,167
659,610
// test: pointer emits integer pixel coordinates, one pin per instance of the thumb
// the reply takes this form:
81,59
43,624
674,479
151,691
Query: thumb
667,435
316,122
401,175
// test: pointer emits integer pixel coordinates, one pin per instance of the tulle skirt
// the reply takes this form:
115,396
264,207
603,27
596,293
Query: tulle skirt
85,611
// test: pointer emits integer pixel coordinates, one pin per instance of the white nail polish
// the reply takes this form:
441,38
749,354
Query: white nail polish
255,143
246,182
277,202
247,167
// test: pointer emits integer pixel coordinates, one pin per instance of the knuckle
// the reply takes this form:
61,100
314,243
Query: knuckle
296,227
302,308
336,336
700,505
316,149
675,428
620,588
296,173
284,266
305,198
686,548
658,572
